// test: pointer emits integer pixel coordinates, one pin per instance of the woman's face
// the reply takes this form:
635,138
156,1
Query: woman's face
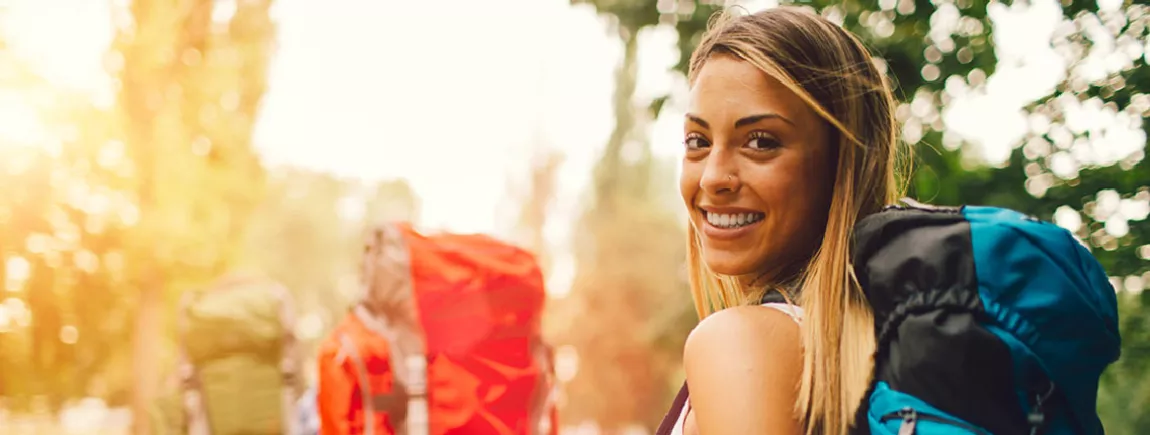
758,170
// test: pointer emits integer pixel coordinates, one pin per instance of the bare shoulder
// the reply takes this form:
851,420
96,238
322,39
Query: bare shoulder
744,330
743,369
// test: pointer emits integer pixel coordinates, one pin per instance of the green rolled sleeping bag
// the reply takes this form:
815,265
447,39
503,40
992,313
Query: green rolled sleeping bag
237,359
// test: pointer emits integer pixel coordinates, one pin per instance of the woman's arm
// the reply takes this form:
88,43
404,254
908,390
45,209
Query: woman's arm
743,370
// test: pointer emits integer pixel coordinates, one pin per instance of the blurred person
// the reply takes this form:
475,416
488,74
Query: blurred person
445,338
238,359
790,138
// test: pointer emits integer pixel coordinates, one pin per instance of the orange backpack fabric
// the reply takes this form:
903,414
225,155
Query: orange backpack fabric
477,306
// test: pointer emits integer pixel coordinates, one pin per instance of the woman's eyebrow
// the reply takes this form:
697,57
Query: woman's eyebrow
698,120
745,121
742,122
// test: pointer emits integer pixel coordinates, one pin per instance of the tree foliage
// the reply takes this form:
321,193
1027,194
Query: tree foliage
113,209
118,207
190,84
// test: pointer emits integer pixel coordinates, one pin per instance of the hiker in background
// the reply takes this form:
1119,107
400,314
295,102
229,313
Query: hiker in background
446,339
238,360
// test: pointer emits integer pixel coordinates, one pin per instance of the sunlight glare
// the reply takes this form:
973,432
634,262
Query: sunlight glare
17,271
22,125
77,33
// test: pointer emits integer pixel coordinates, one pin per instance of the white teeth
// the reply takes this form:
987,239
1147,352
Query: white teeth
732,220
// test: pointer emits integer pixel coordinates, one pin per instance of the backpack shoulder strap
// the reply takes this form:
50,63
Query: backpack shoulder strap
289,364
407,402
672,417
542,399
348,348
193,403
389,291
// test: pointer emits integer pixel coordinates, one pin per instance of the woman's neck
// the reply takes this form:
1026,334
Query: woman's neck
782,277
785,281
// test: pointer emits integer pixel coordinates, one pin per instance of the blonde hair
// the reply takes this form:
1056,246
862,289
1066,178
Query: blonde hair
835,75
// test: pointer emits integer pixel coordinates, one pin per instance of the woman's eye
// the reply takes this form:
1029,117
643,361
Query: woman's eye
696,142
762,142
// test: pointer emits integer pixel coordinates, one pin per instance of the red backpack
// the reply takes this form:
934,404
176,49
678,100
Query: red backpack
446,340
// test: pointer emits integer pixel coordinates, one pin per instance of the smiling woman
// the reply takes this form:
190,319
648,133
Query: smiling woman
789,139
750,143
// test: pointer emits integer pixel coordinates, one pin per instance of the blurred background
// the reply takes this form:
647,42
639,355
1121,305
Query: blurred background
149,146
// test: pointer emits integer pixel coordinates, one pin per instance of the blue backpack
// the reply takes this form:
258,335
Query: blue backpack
988,321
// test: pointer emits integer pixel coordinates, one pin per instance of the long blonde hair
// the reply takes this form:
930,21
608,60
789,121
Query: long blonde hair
835,75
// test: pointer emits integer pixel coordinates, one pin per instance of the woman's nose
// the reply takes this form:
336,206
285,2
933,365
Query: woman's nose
720,175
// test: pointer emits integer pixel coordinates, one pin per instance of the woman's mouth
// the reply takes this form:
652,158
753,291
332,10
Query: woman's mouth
732,220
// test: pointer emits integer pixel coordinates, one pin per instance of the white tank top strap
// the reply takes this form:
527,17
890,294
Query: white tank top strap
796,312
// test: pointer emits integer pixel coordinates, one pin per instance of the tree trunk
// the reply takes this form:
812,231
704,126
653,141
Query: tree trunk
610,165
146,341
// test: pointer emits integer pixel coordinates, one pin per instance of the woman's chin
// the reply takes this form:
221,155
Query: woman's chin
729,263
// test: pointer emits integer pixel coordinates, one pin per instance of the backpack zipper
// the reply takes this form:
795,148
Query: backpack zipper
906,204
910,419
1036,418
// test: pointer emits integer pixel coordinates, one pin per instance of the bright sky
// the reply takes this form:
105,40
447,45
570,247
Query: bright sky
451,98
454,97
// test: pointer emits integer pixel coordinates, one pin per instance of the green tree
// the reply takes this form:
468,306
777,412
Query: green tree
627,231
533,201
62,227
190,86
